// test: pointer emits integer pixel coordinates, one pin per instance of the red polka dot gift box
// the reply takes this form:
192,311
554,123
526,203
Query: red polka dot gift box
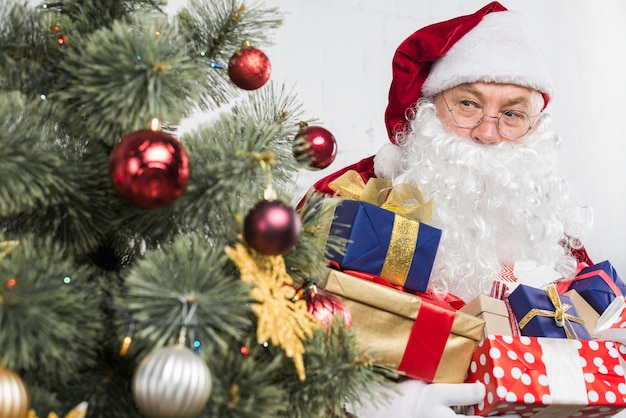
548,377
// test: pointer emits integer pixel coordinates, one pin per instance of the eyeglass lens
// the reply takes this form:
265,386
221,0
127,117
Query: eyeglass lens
511,123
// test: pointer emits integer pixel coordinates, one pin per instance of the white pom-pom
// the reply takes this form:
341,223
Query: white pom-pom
387,161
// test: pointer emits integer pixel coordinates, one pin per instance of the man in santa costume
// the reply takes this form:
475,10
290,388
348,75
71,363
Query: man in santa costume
468,126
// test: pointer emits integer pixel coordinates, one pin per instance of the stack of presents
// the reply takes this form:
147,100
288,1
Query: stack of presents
542,347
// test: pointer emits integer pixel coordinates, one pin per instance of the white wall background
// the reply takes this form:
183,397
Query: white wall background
337,56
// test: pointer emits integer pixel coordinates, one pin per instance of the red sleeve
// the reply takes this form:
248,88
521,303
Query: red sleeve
365,168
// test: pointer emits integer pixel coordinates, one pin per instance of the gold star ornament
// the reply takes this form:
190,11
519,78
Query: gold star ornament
281,320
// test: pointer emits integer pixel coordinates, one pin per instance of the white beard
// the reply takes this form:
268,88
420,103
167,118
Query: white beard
495,204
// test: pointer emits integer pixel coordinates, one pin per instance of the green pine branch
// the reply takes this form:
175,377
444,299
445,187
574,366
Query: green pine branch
90,268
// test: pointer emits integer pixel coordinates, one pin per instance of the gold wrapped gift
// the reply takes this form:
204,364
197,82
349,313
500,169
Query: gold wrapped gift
416,336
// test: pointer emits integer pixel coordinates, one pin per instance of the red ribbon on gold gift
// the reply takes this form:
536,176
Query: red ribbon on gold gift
438,341
432,331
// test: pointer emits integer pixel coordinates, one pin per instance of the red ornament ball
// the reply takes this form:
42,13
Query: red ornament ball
314,147
324,306
149,169
272,227
249,68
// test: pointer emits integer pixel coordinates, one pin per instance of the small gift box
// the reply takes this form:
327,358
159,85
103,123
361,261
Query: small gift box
493,311
545,313
599,285
379,242
418,337
389,240
548,377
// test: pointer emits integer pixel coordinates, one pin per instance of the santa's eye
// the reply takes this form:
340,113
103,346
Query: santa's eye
514,114
467,104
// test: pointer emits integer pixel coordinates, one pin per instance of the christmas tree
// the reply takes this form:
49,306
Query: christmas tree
137,275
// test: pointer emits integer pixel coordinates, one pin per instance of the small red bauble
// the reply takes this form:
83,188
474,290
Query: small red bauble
272,227
324,306
314,147
149,169
249,68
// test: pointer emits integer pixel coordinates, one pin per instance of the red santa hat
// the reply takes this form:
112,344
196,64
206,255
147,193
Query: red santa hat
492,45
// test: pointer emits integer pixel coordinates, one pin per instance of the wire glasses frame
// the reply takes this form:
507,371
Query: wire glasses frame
511,123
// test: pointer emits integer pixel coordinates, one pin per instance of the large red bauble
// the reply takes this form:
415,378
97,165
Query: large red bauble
324,306
249,68
149,169
272,227
314,147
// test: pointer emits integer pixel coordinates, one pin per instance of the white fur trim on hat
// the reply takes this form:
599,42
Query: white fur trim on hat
387,161
500,49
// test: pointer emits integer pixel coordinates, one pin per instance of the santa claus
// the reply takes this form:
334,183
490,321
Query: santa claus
468,126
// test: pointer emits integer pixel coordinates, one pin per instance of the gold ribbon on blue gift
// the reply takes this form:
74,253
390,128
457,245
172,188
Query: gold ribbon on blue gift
561,317
401,199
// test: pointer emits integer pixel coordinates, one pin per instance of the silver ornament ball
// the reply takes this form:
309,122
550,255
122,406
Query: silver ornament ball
14,396
172,382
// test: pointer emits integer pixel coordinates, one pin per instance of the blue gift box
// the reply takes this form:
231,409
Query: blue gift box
379,242
599,285
539,312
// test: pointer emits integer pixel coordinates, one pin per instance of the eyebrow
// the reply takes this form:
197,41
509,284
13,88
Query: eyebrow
469,88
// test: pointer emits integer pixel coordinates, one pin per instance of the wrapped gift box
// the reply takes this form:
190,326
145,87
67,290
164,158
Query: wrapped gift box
545,313
599,285
377,241
420,338
548,377
493,311
584,309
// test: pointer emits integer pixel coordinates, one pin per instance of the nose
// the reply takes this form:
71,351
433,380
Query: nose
486,132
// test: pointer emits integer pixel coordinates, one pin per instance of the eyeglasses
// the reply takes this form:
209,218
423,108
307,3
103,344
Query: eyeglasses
512,123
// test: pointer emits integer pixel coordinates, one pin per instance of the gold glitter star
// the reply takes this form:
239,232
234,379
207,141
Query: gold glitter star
6,247
281,321
79,411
